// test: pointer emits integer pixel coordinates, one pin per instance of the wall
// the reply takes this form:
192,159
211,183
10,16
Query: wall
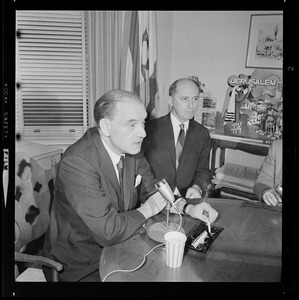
165,33
209,44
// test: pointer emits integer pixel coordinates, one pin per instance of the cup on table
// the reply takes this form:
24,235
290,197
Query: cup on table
174,245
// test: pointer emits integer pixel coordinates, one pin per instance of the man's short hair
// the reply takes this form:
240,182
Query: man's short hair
172,88
105,105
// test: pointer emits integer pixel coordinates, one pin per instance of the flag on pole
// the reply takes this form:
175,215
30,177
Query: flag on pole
139,58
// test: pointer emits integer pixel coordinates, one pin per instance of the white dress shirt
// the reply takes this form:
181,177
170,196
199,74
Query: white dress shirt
176,127
114,157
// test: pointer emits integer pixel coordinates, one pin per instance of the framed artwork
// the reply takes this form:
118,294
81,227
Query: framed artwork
265,42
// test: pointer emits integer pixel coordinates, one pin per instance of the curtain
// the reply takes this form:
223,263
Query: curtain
139,58
104,41
122,54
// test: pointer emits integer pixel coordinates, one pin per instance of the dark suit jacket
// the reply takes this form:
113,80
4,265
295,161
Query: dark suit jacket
85,211
159,150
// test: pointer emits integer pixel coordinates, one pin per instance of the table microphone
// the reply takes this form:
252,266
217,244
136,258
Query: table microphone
158,230
163,187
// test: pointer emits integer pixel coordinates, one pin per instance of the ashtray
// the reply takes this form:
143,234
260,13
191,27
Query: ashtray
200,240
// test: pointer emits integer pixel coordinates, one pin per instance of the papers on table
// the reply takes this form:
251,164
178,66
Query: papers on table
236,176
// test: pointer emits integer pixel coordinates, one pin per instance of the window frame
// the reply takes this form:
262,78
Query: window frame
59,133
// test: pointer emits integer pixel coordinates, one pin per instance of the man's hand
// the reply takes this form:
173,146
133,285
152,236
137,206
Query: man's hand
202,211
153,205
193,192
271,197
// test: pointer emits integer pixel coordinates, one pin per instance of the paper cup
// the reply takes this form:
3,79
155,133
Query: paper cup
174,245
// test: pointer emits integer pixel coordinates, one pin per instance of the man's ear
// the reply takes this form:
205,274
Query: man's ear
105,126
170,100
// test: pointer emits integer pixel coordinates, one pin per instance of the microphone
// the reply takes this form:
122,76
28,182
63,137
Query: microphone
163,187
157,230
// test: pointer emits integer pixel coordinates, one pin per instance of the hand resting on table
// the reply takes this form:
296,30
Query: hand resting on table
271,197
202,211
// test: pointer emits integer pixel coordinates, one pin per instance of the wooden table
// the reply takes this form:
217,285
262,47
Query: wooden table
247,250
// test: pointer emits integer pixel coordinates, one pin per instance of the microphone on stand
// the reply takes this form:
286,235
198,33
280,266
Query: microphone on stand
165,190
158,230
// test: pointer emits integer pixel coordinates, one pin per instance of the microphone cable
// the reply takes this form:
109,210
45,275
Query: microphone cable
132,270
144,257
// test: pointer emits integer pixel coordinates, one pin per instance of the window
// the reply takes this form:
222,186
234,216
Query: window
52,80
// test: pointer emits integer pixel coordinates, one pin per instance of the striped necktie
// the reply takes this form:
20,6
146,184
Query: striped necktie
120,167
180,144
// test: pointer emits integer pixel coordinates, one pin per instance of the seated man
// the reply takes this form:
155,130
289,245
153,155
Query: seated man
186,170
95,205
270,175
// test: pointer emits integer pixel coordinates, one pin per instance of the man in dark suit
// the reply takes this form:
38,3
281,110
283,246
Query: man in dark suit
95,206
190,175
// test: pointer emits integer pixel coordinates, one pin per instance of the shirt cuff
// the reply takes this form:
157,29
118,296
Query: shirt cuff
145,211
185,207
179,204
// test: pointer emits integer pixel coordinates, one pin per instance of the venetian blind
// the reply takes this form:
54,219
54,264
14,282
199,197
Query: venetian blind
52,74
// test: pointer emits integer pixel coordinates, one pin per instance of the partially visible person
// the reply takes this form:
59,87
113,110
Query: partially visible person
270,175
190,176
89,210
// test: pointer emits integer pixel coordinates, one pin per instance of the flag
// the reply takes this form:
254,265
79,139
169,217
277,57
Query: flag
139,58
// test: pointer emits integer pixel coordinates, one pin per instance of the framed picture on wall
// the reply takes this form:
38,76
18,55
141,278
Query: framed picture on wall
265,42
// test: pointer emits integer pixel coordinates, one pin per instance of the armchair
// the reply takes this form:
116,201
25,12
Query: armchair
32,216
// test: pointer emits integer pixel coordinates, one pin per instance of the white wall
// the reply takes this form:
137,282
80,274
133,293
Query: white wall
165,33
209,44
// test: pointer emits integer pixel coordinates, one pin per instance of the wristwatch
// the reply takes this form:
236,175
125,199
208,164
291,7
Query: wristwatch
184,207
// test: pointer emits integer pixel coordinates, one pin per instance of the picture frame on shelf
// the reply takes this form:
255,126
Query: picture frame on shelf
265,42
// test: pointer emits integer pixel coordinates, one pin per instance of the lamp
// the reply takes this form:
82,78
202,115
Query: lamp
158,230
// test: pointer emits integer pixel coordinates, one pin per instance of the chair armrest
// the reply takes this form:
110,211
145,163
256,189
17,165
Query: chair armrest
22,257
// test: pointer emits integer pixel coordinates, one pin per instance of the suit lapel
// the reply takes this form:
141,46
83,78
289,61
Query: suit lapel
167,131
109,171
105,162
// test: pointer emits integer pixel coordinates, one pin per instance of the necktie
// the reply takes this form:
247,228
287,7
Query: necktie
120,167
180,144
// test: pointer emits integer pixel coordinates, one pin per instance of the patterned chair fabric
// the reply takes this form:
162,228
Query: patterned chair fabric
33,196
32,201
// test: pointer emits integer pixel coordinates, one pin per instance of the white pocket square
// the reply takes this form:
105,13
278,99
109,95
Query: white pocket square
137,180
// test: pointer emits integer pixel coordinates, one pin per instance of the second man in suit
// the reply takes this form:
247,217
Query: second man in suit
181,158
